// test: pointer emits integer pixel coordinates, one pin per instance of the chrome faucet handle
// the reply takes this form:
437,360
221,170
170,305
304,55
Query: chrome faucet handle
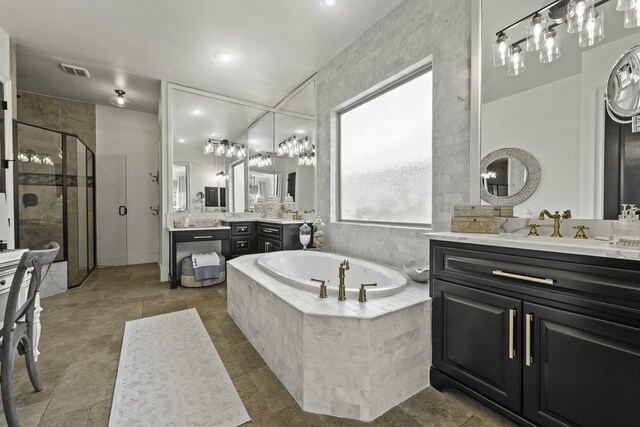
362,297
323,287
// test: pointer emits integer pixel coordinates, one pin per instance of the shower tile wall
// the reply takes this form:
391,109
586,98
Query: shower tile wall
421,28
64,115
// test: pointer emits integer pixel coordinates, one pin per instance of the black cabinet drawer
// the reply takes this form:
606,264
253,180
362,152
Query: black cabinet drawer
599,282
271,231
202,235
241,229
242,245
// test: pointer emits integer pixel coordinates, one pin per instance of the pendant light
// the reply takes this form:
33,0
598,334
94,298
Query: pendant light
592,30
550,50
501,50
535,32
515,65
119,100
631,13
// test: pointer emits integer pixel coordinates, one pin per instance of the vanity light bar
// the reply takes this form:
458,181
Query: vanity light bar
548,41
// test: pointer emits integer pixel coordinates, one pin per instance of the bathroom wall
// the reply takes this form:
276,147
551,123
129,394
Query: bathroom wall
413,31
134,134
503,125
65,115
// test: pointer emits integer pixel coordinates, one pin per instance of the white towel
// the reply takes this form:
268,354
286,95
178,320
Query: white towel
203,259
206,265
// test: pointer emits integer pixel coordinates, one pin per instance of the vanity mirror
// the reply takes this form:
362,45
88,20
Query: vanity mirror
210,141
241,151
509,176
554,108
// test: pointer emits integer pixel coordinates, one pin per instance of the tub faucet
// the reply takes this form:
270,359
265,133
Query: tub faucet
556,220
344,265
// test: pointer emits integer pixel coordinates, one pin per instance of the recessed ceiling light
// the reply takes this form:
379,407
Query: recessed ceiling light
329,3
223,56
197,112
181,140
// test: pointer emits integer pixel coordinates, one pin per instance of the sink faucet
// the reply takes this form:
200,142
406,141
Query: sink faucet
344,265
556,220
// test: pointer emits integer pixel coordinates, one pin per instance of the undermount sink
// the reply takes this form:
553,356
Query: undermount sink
548,240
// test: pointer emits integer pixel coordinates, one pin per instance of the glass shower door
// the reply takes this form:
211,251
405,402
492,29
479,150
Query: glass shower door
40,201
77,211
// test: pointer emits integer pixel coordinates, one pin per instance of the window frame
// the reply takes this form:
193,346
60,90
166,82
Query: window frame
420,71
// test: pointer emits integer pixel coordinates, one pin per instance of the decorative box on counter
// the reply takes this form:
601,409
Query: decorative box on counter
484,211
476,225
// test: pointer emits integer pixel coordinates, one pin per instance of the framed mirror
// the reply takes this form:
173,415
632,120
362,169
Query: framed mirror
509,176
556,111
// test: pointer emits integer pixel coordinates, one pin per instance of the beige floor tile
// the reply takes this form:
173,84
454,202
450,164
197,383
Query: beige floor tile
29,415
99,414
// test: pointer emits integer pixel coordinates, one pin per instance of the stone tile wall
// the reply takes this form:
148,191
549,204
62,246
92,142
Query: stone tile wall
412,32
65,115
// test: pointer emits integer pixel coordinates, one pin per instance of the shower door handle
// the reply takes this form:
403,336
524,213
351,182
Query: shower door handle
122,210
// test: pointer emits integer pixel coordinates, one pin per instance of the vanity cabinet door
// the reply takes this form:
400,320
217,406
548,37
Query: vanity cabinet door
477,341
268,245
584,371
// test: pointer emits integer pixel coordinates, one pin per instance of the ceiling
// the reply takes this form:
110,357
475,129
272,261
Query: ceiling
498,14
132,45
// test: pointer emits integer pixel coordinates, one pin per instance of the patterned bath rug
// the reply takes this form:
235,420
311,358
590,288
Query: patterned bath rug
170,374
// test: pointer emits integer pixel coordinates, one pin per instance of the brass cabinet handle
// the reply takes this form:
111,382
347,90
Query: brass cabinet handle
528,359
242,229
3,282
512,319
523,277
202,237
270,230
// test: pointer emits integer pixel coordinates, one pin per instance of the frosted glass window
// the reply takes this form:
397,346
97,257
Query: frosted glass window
385,155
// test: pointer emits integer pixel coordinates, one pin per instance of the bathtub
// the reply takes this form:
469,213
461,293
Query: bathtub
297,268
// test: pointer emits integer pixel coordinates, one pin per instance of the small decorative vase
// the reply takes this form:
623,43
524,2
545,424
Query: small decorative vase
272,207
259,206
288,204
305,235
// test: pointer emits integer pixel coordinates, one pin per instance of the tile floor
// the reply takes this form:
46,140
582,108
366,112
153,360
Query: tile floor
81,337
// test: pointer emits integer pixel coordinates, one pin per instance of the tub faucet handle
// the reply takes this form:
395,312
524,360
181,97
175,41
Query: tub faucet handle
362,297
323,287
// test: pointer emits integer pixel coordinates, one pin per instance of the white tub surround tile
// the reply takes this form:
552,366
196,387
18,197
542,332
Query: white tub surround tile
341,358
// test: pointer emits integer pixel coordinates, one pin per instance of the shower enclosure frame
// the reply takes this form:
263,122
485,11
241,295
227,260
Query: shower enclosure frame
65,205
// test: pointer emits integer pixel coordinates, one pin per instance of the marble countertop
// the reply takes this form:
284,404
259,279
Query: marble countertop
270,220
219,227
590,247
309,302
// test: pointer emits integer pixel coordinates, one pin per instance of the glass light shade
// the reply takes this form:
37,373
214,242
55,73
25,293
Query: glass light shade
516,66
535,33
632,14
623,5
592,30
550,50
577,11
501,50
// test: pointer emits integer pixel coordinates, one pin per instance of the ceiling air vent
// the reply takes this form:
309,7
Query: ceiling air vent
75,71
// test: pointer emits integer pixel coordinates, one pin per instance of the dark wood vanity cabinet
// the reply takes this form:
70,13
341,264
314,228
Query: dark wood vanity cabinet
260,237
278,237
243,239
544,338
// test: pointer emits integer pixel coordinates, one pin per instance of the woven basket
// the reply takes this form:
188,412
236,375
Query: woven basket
188,279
